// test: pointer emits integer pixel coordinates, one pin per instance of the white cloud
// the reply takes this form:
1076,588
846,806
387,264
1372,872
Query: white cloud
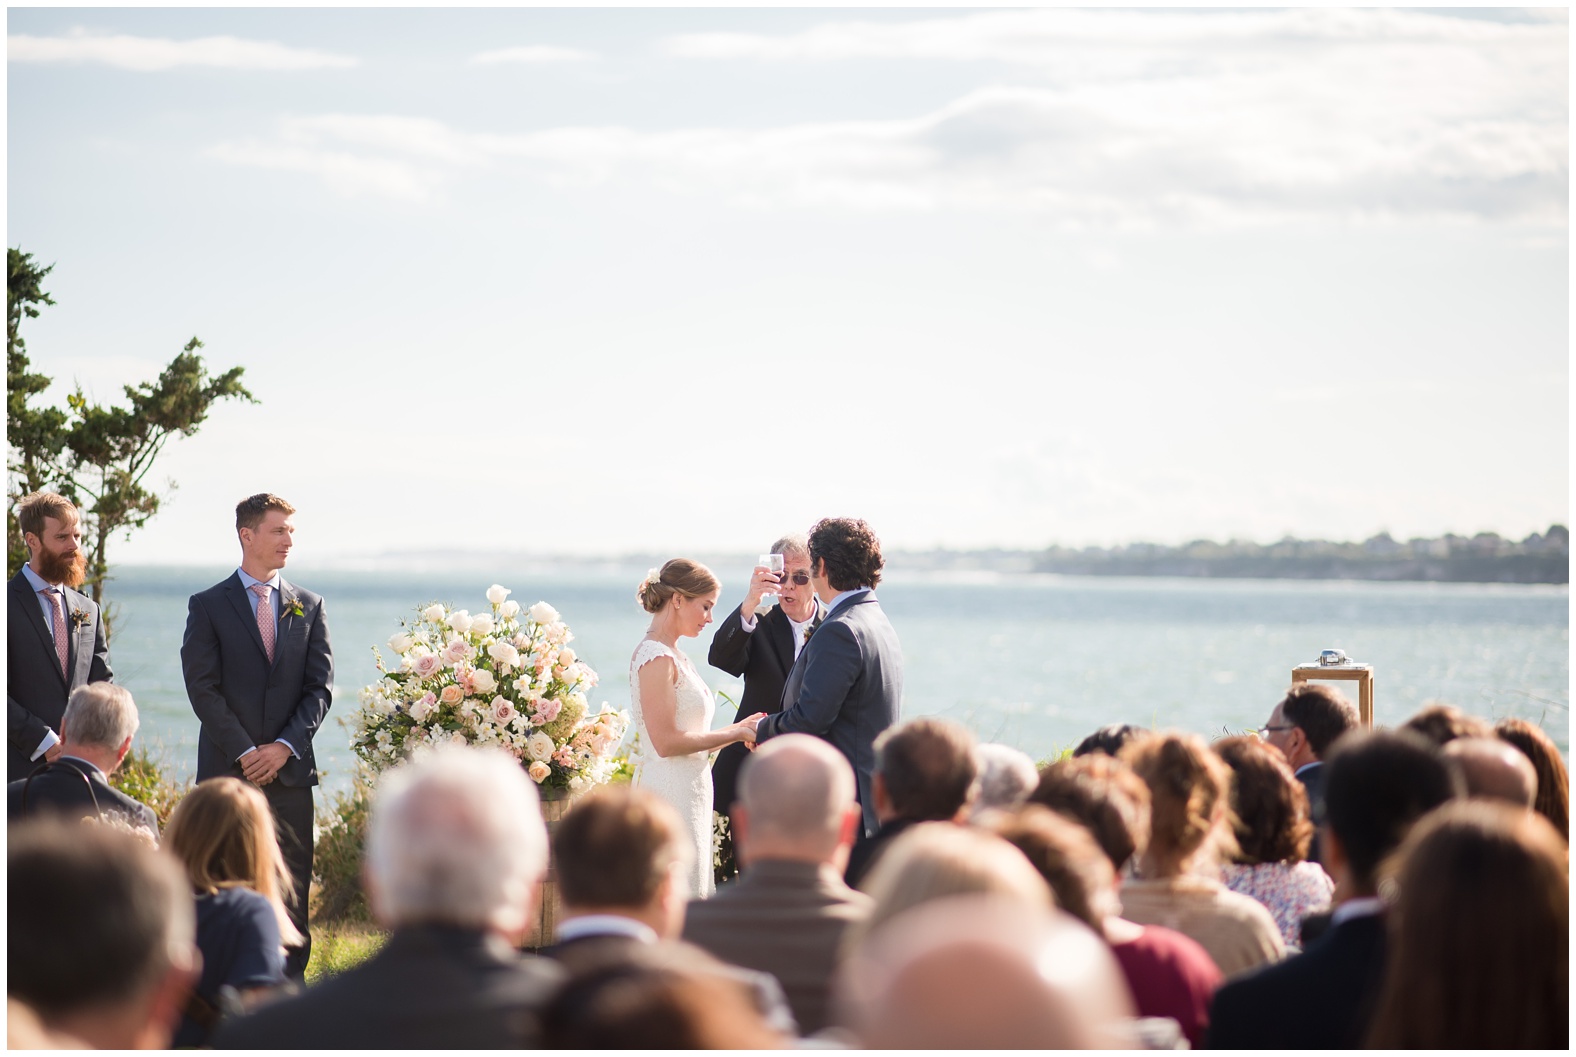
532,53
148,54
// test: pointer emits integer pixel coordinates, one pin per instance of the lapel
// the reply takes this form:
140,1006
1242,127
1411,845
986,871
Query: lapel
75,600
27,598
782,638
243,610
288,596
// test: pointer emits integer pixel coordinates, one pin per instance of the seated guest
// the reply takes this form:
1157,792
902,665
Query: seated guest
1168,974
223,834
621,860
793,823
925,771
665,996
1102,794
1273,831
1178,882
456,850
99,934
1494,770
1110,739
1479,935
1310,719
1554,787
1441,723
1006,778
95,734
1379,784
978,972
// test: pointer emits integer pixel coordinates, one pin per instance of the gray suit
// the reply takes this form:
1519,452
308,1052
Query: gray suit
244,701
784,918
35,691
846,688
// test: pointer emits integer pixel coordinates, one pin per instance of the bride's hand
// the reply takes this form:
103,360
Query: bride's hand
746,728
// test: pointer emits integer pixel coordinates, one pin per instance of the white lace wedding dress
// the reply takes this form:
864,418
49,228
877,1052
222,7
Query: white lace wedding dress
683,781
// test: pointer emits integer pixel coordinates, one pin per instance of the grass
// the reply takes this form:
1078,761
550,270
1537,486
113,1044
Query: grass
341,946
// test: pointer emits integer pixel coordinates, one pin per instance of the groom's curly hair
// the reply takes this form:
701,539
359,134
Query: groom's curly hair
851,552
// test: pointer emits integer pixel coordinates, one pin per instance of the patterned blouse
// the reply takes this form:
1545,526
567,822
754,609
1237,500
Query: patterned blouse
1290,892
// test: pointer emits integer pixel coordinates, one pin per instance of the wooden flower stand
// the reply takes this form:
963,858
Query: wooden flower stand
555,805
1361,674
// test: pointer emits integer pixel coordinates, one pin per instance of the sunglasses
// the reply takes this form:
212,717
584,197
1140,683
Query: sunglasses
799,577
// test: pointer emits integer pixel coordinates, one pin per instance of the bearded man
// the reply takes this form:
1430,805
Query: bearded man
54,635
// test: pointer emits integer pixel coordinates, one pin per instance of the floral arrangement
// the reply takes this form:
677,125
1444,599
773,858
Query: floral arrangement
499,677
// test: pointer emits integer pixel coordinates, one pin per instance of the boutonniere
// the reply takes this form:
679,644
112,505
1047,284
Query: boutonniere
79,618
293,608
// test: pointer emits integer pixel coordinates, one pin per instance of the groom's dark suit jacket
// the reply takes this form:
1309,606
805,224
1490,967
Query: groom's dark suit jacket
764,657
35,691
847,687
242,700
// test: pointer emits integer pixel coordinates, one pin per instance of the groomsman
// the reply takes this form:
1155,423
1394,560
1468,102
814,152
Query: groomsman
847,686
763,648
54,635
258,672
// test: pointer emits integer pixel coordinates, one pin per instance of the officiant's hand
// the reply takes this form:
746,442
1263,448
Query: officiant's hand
762,582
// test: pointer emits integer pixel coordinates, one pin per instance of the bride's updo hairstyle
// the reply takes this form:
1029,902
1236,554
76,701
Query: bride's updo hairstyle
679,576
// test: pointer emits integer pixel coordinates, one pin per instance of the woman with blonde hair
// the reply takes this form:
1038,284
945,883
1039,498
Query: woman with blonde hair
1178,883
223,834
673,707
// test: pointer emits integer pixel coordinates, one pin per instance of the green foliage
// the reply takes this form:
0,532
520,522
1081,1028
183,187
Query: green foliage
141,776
336,949
337,893
98,455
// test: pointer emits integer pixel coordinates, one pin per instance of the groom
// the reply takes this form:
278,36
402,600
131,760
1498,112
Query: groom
847,685
258,671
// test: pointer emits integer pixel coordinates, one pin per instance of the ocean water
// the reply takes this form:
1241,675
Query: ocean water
1035,662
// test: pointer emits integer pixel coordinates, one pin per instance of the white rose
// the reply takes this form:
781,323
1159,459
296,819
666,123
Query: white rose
538,772
399,642
539,746
433,613
482,624
497,593
460,621
504,653
543,613
508,609
482,682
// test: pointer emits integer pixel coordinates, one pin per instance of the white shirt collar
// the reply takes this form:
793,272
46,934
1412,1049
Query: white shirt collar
1361,907
605,925
837,599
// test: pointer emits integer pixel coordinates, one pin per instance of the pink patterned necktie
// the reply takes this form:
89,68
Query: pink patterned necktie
62,646
265,619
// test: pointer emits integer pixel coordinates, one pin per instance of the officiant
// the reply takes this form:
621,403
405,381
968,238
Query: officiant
762,645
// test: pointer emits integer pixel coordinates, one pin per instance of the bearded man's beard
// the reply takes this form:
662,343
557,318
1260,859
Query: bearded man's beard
69,569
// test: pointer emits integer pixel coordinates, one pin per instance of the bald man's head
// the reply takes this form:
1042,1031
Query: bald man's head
1495,770
796,796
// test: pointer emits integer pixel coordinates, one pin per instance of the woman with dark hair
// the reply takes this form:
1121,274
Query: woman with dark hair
1554,785
1479,936
223,834
1178,883
1272,830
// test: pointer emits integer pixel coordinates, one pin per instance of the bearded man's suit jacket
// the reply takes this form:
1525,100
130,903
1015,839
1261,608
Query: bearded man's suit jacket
35,690
846,688
764,657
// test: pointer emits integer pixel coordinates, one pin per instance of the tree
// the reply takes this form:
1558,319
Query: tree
100,455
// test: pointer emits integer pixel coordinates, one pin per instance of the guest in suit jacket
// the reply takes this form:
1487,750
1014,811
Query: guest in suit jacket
258,672
789,910
456,850
763,648
1302,728
54,634
620,854
96,733
1324,998
847,686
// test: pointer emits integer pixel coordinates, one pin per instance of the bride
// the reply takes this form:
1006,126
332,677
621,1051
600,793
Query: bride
673,707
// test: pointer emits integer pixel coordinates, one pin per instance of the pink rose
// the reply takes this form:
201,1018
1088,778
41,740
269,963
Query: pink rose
538,772
457,651
502,710
427,665
452,694
548,710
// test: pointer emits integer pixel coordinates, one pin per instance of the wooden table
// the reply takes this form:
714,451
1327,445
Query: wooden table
1361,674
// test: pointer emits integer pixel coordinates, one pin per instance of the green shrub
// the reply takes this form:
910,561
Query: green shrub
337,894
336,949
142,776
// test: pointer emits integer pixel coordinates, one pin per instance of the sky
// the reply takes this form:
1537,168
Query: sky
595,282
